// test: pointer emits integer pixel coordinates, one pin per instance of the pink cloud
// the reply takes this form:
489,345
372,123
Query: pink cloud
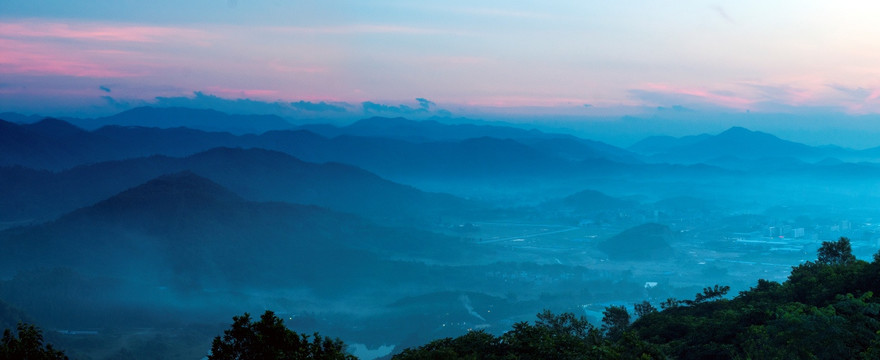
523,101
37,47
283,68
17,57
363,29
233,93
713,97
97,32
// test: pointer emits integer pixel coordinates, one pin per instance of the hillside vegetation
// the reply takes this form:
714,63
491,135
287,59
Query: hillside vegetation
825,310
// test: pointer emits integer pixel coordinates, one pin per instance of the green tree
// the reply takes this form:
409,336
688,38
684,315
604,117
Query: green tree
670,303
269,339
27,344
711,293
836,252
615,320
644,308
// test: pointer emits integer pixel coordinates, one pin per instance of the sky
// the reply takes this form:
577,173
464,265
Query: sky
804,65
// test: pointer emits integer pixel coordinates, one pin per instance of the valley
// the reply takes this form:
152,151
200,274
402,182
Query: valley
389,233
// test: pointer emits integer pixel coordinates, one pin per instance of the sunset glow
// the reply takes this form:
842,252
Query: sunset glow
743,56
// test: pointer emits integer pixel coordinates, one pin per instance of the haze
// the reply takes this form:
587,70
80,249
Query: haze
394,172
794,68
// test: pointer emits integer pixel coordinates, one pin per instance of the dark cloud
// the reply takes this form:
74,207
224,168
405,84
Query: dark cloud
317,107
425,107
371,108
119,105
425,103
294,111
104,88
200,100
676,108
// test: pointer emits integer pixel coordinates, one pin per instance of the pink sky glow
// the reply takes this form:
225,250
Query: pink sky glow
460,56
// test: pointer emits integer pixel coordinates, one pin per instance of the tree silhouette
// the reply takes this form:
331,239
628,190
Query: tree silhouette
27,344
269,339
836,252
711,293
615,320
644,308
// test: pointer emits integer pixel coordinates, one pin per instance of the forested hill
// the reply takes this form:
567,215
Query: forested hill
825,310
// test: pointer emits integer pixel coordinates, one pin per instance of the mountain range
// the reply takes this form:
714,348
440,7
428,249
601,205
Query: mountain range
739,143
185,231
172,131
526,166
374,222
256,174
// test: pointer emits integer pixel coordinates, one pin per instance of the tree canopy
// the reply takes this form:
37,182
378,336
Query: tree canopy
836,252
27,344
269,339
825,310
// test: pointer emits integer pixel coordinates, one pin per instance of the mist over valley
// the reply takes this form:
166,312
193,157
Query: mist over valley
389,233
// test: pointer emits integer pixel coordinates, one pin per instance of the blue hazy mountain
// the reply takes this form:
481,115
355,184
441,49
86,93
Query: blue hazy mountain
188,234
663,143
59,147
186,219
203,119
562,145
20,118
256,174
56,144
49,144
736,142
589,201
425,130
644,242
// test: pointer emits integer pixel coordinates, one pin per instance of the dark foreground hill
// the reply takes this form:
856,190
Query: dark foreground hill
825,310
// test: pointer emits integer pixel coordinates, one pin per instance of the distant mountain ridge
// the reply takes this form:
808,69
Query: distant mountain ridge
256,174
174,117
736,142
568,146
486,167
43,147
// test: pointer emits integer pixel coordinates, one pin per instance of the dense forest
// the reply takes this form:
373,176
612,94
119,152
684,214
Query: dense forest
825,310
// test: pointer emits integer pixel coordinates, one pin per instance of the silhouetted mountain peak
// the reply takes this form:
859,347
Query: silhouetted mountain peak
203,119
737,130
168,194
646,241
594,200
741,133
54,127
178,111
